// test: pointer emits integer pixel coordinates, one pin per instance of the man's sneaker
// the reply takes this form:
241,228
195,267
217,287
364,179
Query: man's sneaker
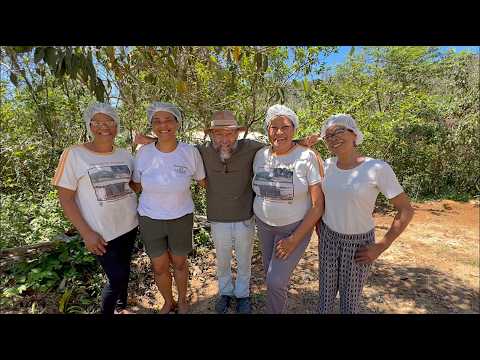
222,304
244,306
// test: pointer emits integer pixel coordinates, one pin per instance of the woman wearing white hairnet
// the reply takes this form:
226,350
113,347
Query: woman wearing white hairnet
163,172
347,245
288,202
93,186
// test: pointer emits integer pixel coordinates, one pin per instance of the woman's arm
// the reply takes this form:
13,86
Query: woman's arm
309,140
317,155
202,183
141,139
286,246
321,169
367,254
93,241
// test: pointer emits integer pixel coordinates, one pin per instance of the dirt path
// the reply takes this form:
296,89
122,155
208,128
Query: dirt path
432,268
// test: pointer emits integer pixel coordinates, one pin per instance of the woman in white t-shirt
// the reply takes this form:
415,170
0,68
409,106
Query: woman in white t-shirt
163,172
93,186
288,202
346,231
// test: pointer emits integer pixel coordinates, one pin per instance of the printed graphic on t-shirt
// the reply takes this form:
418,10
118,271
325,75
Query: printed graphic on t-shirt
274,184
110,182
179,169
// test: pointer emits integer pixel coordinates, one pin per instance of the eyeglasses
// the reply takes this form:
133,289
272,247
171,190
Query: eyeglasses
108,123
338,131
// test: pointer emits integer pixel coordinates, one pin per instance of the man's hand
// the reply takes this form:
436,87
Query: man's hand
310,140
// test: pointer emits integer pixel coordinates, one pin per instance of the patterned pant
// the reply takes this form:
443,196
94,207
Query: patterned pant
339,271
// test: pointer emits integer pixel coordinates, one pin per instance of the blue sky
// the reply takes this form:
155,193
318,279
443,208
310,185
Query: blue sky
341,55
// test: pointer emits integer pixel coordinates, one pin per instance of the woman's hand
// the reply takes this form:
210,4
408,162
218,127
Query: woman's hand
95,243
203,183
140,139
368,254
285,247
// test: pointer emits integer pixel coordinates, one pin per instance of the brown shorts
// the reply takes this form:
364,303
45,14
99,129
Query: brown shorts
160,235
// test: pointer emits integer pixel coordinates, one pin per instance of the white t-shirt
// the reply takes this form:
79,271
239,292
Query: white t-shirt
103,195
350,195
281,185
166,179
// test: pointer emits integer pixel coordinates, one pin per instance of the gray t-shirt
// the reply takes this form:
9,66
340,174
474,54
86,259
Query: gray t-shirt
229,189
281,185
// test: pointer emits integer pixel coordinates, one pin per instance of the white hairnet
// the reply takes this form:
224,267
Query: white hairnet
344,120
161,106
99,107
280,110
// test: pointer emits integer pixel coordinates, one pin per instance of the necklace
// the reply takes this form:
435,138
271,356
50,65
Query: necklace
286,152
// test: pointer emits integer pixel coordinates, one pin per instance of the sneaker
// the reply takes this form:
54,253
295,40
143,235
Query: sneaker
222,304
244,306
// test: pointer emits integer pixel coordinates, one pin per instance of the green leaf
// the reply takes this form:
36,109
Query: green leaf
64,300
306,86
75,66
258,60
83,69
265,63
92,71
68,60
100,90
282,95
181,86
110,51
51,57
237,53
171,62
22,49
40,70
39,54
21,288
60,70
14,79
149,78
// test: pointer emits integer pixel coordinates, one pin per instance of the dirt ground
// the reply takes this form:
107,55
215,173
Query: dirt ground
433,267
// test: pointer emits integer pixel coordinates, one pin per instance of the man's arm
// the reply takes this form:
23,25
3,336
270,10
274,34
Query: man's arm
309,140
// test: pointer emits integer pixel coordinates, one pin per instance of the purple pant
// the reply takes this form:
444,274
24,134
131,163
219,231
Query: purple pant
278,271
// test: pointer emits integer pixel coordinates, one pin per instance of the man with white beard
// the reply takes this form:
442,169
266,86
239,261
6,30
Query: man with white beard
228,167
